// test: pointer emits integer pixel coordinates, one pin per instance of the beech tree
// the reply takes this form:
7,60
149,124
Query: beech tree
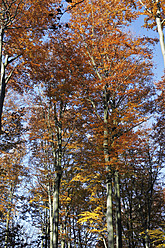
93,169
54,121
118,99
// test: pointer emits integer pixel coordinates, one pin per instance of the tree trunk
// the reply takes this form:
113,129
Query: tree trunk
104,241
146,239
2,78
7,229
109,177
42,241
160,30
56,179
54,213
62,238
110,214
47,230
50,216
69,235
56,210
118,211
58,175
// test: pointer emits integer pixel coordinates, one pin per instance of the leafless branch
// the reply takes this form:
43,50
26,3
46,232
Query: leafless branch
145,7
9,76
13,59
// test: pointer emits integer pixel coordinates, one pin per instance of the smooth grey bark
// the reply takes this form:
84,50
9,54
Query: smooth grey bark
109,174
118,211
50,216
109,213
56,210
104,241
160,30
159,24
56,179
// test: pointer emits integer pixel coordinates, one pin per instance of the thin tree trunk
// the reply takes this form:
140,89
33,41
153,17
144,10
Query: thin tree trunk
2,77
118,211
7,229
47,229
69,233
56,210
54,214
160,30
42,231
57,182
63,239
109,177
110,214
1,44
57,155
131,221
50,216
2,82
146,239
104,241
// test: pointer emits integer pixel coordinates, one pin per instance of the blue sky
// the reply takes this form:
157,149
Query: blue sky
137,28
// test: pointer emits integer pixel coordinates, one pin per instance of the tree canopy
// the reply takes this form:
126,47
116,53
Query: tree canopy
81,125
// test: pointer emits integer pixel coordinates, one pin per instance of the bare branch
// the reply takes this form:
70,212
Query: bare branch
162,21
145,7
9,76
13,59
94,106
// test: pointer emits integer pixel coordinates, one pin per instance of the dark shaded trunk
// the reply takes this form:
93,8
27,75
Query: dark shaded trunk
2,79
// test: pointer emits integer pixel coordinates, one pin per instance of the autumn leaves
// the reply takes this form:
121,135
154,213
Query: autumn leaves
93,166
